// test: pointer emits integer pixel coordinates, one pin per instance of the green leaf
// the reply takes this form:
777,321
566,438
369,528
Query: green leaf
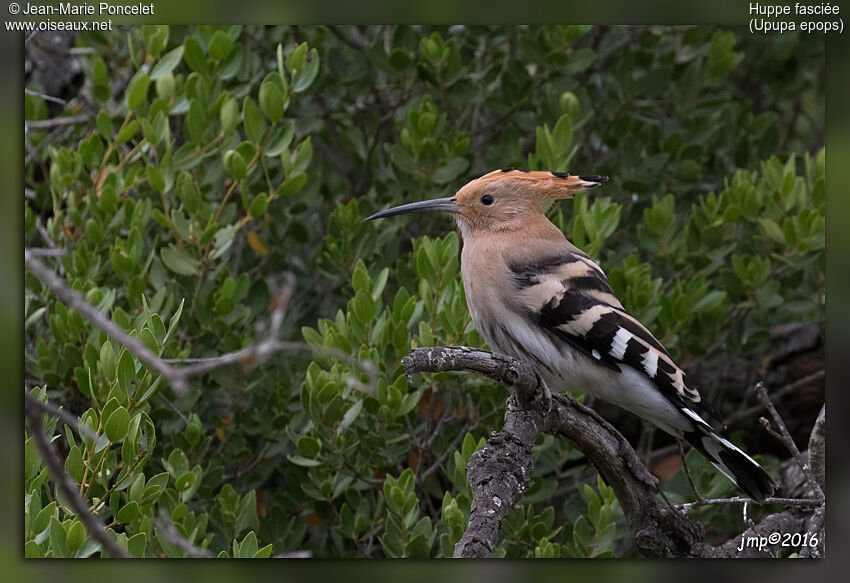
179,261
58,539
107,361
194,56
117,425
167,63
104,125
271,101
128,512
281,140
76,537
364,307
399,59
710,301
155,178
137,90
292,184
229,115
195,122
302,461
185,481
563,135
350,416
304,78
42,520
581,60
74,464
175,319
263,553
220,45
450,170
259,205
252,120
126,371
136,544
235,165
308,446
128,132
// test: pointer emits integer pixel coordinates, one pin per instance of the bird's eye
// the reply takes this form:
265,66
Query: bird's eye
487,199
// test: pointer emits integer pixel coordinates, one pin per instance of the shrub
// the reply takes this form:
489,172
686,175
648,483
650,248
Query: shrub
216,159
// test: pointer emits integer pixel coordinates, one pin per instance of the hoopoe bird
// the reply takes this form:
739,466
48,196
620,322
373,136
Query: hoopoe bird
535,296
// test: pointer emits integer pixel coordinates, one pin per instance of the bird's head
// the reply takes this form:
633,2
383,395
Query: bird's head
503,199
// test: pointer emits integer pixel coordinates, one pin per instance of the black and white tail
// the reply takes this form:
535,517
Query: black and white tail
736,465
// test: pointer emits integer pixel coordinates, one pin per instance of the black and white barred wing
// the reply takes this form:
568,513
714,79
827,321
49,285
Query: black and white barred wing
569,296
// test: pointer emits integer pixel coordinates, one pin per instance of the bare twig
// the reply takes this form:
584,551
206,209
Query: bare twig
263,350
294,555
173,407
355,44
780,392
71,420
688,472
59,134
49,124
790,502
252,463
66,484
46,252
45,96
785,438
76,300
451,447
170,534
42,230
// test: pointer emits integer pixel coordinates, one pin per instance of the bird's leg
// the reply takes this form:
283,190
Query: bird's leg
700,499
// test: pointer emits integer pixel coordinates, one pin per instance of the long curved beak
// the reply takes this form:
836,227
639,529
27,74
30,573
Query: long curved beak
447,204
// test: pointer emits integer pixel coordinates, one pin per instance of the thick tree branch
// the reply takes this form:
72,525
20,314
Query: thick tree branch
499,472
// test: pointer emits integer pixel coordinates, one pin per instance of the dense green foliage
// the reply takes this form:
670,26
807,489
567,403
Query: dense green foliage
218,158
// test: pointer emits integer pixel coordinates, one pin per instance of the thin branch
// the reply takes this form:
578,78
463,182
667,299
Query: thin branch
688,472
46,252
785,438
294,555
77,301
790,502
45,96
451,447
170,534
337,31
70,420
252,463
263,350
173,407
66,484
42,230
780,392
49,124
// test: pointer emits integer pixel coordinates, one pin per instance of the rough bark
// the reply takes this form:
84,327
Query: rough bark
499,472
